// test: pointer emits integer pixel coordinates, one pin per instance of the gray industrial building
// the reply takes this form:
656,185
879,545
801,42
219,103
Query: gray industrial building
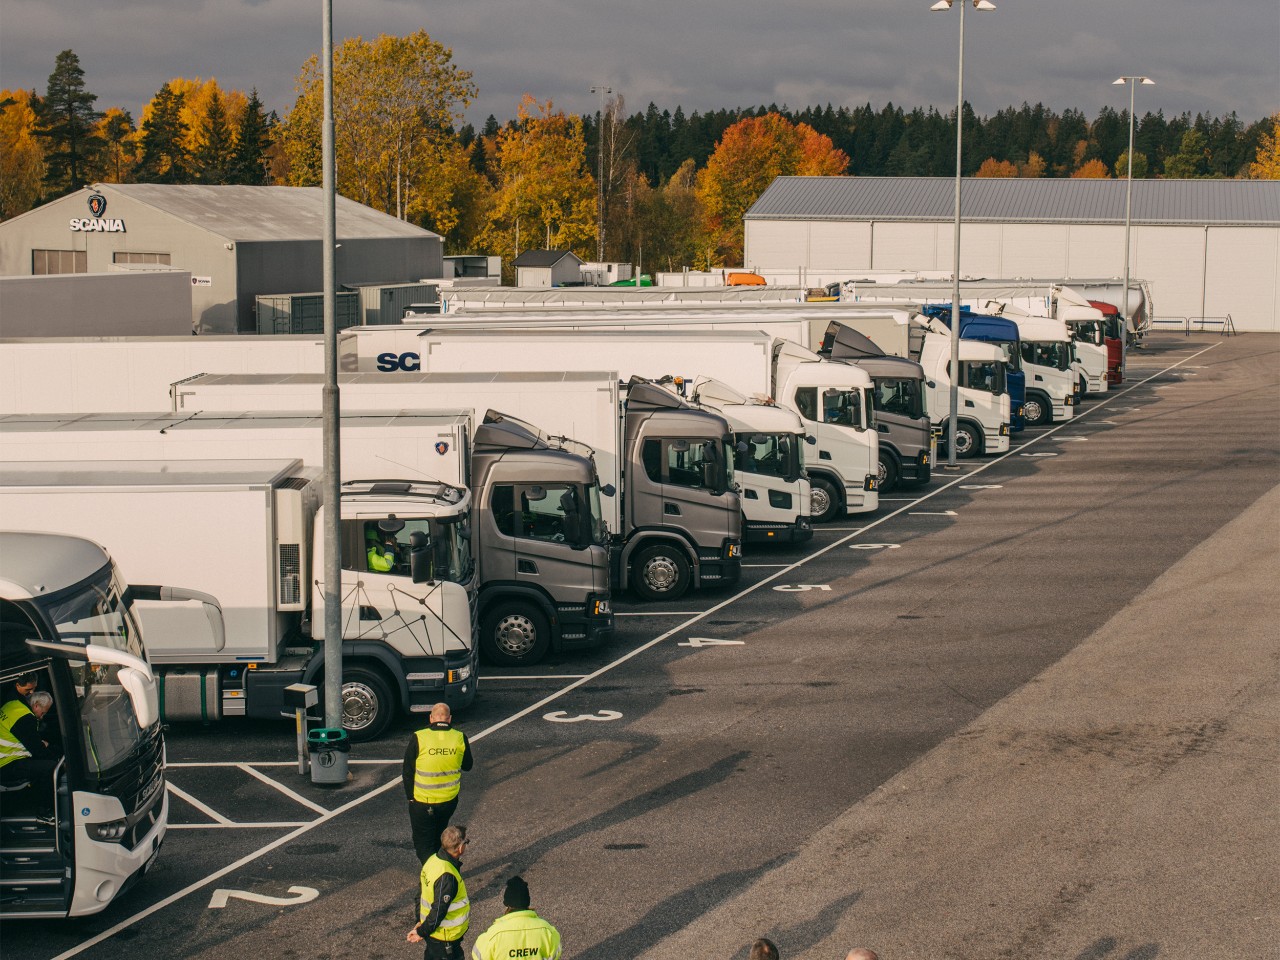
1208,248
236,242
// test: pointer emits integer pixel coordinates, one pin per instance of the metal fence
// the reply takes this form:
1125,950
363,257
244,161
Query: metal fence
1226,324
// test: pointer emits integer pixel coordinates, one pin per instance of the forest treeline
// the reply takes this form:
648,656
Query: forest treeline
674,185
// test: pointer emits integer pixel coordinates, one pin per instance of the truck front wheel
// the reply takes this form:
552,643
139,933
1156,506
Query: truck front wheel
968,441
888,472
824,500
660,573
367,704
514,634
1037,411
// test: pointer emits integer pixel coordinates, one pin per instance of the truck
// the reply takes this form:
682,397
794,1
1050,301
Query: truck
843,475
1086,360
532,593
69,624
1003,335
773,492
666,466
768,462
249,533
899,391
1052,386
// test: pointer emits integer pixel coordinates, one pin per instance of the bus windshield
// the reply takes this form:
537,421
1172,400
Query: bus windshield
101,614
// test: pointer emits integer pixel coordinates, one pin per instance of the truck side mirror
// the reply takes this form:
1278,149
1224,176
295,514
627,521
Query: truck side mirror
535,493
420,557
391,525
810,439
608,490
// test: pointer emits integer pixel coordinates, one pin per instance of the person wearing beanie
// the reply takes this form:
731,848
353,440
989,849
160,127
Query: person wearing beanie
519,932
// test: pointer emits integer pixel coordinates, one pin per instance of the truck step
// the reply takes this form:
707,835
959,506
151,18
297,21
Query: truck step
26,834
39,870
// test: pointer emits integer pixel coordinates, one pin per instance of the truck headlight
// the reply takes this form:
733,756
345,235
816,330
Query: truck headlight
460,674
1004,429
735,550
600,608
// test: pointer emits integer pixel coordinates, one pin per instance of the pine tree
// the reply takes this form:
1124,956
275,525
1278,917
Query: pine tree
164,159
211,160
66,123
253,140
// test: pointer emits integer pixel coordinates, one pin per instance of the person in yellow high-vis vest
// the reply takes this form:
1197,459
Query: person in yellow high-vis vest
444,912
519,932
434,762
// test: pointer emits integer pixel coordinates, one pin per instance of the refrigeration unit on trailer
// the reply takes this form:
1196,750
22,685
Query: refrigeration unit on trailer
81,826
665,467
248,533
539,589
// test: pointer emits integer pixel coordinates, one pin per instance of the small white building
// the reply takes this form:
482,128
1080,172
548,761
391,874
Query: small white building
1207,247
602,274
547,268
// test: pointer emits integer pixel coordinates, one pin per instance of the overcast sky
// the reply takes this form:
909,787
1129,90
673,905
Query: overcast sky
1210,57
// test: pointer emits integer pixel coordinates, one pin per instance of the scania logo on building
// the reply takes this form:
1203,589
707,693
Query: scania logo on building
97,223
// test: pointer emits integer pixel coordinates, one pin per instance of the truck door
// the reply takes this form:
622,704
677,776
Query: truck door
688,468
538,526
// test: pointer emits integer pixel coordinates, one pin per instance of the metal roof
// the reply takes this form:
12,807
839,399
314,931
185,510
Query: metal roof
1005,200
249,214
543,258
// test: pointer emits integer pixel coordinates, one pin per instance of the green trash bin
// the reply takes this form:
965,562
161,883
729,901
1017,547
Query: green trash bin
328,749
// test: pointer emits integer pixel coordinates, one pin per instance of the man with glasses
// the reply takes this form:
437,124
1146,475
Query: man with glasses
444,911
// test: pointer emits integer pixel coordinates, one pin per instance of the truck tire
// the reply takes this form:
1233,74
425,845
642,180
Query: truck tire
888,472
968,441
824,500
1084,387
1036,411
514,633
660,573
367,705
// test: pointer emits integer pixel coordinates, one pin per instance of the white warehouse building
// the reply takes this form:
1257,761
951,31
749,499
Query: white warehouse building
1209,248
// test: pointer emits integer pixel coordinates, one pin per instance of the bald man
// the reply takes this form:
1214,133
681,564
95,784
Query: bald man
861,953
433,765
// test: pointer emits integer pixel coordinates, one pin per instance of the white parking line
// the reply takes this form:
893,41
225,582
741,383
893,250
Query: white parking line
285,825
658,613
549,676
563,691
283,789
203,808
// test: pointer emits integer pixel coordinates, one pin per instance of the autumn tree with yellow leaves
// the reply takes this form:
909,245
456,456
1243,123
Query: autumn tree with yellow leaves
396,102
1266,166
750,155
22,167
546,195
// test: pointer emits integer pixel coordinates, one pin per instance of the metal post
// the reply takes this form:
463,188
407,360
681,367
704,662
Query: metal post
300,716
602,90
954,420
332,478
1128,216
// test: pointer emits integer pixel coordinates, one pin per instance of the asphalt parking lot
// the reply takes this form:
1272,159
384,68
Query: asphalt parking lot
1027,711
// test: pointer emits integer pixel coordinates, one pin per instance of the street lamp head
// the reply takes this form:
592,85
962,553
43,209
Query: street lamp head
1146,81
983,5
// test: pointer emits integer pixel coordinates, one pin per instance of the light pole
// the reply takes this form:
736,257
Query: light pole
1128,212
332,573
603,91
954,421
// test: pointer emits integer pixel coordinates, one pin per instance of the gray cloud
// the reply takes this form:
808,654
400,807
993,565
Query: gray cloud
1206,58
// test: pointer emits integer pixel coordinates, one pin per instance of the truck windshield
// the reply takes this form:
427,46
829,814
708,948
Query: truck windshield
1089,332
899,396
984,375
101,614
843,407
1047,353
768,454
1012,360
450,550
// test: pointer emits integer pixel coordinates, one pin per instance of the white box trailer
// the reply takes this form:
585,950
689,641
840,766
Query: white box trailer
410,445
563,604
248,533
82,375
677,521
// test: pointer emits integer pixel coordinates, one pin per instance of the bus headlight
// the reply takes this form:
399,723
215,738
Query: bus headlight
112,831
